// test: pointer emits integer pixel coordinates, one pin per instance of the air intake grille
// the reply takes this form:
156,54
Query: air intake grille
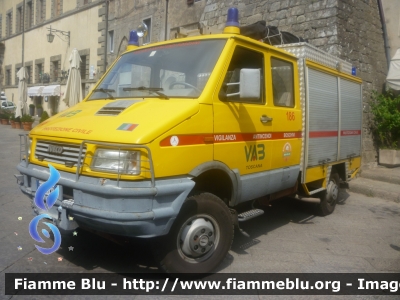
115,108
60,153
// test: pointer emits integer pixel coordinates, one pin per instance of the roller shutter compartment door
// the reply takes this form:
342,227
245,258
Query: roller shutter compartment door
350,127
323,117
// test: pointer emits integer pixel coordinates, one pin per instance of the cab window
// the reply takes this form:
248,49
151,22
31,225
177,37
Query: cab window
282,82
242,58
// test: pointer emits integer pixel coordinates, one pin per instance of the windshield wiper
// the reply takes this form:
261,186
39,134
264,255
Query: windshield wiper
150,89
106,91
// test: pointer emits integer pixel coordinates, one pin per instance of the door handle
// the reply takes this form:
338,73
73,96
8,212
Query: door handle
265,119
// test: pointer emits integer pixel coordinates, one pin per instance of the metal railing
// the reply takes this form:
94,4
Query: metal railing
24,147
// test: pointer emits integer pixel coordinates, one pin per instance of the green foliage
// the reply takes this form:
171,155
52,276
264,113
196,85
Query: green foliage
26,118
4,114
39,106
44,116
386,123
32,105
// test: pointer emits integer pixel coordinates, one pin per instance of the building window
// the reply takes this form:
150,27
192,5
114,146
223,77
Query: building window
85,2
17,67
55,67
111,41
9,24
55,70
20,20
40,76
84,64
147,38
82,67
57,8
29,14
29,72
8,75
40,11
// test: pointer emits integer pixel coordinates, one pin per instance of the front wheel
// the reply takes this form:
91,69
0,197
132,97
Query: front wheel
200,237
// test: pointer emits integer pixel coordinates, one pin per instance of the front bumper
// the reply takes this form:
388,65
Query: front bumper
127,208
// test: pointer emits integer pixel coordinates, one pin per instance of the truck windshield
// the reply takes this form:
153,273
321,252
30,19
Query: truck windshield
174,70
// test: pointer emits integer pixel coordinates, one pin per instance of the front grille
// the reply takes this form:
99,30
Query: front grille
68,156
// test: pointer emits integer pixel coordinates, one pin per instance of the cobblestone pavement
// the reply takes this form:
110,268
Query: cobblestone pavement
362,235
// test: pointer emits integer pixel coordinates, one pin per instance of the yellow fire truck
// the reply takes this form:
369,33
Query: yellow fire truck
185,139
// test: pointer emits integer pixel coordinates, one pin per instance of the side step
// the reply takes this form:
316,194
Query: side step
247,215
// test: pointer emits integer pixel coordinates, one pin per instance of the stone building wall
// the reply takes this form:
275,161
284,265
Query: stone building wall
360,41
349,29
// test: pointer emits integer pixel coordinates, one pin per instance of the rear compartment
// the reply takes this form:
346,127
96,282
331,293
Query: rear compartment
331,100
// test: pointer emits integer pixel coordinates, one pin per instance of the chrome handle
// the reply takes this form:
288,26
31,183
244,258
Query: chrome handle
265,119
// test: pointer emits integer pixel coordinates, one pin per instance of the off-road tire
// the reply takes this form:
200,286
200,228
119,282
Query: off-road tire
330,197
200,237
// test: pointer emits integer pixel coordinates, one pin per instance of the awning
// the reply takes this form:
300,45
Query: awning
51,90
35,91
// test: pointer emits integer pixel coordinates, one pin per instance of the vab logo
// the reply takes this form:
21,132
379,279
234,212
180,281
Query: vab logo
46,205
255,152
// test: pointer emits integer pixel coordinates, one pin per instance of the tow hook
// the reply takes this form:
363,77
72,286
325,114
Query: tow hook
20,179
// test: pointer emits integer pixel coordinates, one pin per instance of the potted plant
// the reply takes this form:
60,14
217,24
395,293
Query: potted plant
4,117
44,117
386,127
39,110
27,121
18,122
32,109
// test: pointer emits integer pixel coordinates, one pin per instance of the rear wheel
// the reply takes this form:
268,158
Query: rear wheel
329,197
200,237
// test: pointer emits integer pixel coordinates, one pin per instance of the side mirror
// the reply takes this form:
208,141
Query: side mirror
249,84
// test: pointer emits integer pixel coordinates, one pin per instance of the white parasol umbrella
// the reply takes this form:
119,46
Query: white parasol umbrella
73,90
22,92
393,76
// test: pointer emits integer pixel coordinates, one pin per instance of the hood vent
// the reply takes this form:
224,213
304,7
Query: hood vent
116,107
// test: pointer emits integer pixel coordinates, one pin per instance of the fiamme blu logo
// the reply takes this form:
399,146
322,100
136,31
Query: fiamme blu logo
45,201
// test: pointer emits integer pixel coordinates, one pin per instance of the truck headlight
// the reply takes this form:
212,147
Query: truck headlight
117,161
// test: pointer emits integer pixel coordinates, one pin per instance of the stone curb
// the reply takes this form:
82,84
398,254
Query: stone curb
364,186
381,176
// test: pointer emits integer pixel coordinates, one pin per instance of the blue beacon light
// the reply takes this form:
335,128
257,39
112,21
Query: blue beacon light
232,21
133,40
233,17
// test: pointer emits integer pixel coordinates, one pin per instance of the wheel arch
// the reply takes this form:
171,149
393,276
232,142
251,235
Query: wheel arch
340,169
216,178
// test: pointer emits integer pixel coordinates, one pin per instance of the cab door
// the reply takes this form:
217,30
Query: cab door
243,128
259,138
